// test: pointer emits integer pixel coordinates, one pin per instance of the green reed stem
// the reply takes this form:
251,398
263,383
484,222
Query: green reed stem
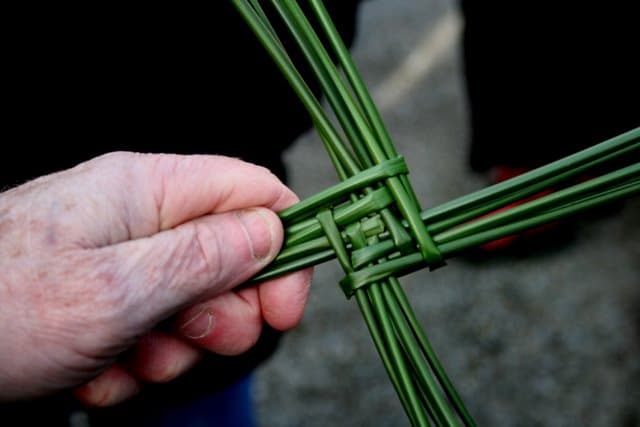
328,133
429,353
615,147
374,329
407,386
440,406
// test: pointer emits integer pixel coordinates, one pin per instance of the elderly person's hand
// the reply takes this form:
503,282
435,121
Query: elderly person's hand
94,258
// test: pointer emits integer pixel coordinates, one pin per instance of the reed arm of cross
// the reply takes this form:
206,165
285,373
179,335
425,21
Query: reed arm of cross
453,227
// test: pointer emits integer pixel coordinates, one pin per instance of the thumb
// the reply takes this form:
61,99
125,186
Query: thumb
196,260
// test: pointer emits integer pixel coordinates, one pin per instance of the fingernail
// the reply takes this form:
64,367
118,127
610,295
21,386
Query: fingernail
258,230
199,326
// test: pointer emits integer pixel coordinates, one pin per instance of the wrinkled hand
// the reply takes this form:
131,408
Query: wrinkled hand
93,258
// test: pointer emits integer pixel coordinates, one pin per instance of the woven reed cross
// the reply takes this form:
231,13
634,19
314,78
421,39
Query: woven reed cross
372,221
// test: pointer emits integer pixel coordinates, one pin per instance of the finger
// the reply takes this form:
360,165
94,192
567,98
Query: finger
166,190
197,185
200,259
229,324
159,357
282,300
109,388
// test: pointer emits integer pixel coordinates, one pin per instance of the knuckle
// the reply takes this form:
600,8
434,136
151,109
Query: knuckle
205,253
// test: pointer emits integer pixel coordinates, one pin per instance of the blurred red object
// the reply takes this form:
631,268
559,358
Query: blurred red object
500,174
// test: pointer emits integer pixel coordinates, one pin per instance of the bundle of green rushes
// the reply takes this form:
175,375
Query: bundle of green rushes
373,224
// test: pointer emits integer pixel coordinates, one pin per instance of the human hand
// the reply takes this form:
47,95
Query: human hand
93,258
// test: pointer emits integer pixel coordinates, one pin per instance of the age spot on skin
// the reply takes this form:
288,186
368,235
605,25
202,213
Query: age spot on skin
69,205
16,252
51,236
6,222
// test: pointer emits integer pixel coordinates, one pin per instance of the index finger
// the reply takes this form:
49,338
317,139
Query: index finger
162,191
192,186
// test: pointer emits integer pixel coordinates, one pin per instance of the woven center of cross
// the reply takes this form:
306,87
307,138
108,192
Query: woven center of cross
366,219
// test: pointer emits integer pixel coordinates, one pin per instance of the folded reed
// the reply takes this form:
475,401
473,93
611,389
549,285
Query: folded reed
372,222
